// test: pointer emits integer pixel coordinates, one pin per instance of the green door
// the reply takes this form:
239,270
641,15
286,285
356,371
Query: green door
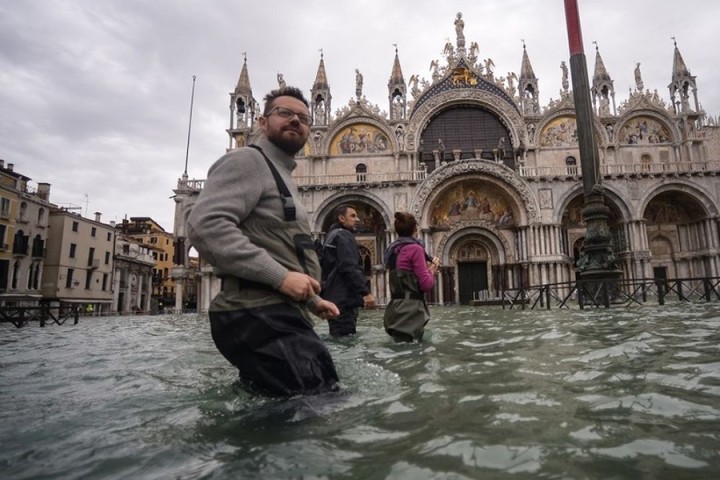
472,277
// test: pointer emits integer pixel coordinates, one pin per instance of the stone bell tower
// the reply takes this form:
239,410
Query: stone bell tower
320,101
243,110
397,92
528,87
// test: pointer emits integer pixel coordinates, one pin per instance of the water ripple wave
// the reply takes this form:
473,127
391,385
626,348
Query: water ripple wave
618,393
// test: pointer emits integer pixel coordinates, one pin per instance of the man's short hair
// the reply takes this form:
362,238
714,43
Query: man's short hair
283,92
341,210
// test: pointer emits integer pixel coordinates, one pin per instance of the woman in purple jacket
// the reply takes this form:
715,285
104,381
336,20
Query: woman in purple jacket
412,273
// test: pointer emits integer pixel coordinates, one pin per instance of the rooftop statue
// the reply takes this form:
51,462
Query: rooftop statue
358,83
638,78
459,26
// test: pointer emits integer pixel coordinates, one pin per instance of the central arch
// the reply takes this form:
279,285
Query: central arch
475,257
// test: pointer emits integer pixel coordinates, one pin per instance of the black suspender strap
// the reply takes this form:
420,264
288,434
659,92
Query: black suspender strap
287,200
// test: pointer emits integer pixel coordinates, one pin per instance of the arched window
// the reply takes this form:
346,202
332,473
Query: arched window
36,280
240,106
20,243
16,274
23,211
361,171
38,247
41,217
645,160
571,165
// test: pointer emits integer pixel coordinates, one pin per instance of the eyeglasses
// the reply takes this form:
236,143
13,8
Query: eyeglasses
288,114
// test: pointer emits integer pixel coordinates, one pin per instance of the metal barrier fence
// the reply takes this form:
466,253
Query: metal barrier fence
609,292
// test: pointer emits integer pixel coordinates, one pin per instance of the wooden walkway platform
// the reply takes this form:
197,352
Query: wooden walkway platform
44,313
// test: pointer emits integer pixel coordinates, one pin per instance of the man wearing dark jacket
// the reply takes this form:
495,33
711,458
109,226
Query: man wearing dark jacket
343,280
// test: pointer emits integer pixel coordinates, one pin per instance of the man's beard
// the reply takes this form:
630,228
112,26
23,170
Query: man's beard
289,145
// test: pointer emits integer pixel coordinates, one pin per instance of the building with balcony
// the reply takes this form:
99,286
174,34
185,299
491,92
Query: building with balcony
79,261
134,264
162,247
24,214
494,177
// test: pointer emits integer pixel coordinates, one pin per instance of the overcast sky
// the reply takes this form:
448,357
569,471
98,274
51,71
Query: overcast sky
95,94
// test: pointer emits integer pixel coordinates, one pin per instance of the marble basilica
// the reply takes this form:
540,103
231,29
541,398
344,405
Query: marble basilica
494,177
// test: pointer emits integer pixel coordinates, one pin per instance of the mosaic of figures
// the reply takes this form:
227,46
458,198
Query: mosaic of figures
644,130
371,221
359,138
472,200
572,216
560,132
663,210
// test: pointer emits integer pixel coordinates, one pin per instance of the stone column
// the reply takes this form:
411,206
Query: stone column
178,295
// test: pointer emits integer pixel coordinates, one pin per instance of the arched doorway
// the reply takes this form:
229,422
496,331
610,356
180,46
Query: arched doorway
472,271
678,235
477,270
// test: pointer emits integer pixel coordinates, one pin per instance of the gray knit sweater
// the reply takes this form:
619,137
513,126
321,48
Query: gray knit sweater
241,187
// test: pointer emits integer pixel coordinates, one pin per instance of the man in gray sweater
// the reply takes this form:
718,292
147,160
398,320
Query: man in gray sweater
249,224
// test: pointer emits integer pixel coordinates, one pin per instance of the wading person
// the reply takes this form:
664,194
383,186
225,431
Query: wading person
344,282
412,274
249,224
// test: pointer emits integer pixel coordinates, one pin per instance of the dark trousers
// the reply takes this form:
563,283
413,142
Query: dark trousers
275,349
345,323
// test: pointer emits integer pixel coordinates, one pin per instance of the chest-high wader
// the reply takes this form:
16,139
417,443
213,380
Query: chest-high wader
407,313
266,335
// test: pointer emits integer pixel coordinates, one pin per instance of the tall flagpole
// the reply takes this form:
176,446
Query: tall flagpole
180,270
187,151
597,261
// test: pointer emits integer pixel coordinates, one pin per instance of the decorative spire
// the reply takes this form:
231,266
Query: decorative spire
528,86
320,98
396,76
321,82
244,107
682,87
243,85
679,68
603,88
397,90
601,74
526,70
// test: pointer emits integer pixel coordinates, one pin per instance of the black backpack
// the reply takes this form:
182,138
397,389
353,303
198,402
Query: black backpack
326,252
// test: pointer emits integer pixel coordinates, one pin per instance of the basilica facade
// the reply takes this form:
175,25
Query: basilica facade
494,177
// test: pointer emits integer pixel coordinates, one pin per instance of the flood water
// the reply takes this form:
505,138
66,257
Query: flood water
624,393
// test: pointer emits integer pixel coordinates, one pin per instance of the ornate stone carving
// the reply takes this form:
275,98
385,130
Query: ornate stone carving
472,227
465,167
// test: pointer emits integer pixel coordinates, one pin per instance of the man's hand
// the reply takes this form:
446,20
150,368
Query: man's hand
299,287
368,301
325,309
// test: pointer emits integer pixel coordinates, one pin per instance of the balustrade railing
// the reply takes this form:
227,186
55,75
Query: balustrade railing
387,177
610,170
623,169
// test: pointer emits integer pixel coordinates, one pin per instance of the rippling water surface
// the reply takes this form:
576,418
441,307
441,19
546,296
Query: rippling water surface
562,394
